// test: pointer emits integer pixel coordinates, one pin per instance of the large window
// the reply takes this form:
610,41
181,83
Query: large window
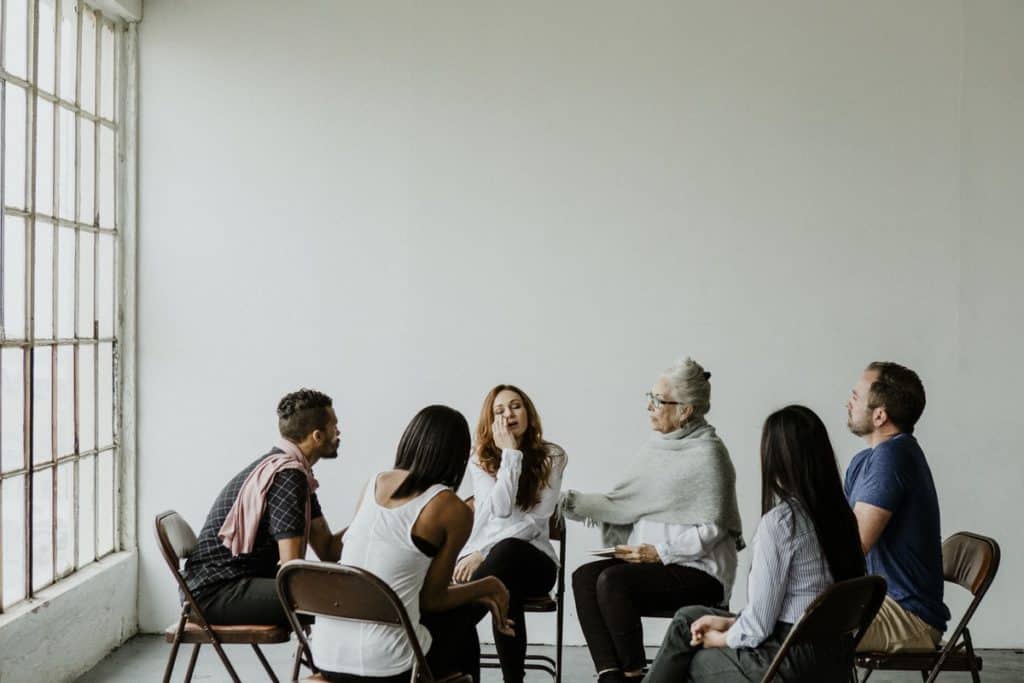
59,308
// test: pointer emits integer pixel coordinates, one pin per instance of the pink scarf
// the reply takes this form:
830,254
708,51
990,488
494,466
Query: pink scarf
243,520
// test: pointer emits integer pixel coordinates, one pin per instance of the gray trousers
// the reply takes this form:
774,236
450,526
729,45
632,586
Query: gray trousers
677,660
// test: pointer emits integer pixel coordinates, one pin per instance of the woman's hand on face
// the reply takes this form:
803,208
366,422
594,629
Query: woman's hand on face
503,438
637,554
465,567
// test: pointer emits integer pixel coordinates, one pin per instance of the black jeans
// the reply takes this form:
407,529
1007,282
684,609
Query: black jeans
454,648
245,601
809,661
612,595
526,573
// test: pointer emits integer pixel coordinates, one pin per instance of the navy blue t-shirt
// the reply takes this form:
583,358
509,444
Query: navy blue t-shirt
895,476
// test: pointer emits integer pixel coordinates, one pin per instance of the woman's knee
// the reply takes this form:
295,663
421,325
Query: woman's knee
584,579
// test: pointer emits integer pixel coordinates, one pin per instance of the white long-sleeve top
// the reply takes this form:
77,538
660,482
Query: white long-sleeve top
707,547
495,513
787,572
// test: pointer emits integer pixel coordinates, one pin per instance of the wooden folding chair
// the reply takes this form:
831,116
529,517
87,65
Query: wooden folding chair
336,590
177,541
970,561
843,610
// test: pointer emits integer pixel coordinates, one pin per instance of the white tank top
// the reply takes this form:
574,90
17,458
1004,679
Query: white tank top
379,540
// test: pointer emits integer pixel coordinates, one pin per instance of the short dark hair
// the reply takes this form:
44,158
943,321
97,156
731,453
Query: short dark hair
302,412
434,449
899,391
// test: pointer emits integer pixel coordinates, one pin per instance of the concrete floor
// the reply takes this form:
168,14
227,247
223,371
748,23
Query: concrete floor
143,659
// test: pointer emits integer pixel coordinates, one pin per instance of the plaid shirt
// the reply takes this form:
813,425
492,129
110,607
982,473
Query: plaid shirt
211,566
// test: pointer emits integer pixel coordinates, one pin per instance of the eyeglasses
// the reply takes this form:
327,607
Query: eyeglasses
659,402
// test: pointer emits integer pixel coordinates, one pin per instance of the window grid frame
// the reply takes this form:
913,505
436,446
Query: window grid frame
88,340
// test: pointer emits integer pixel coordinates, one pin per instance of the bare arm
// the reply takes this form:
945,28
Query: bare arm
290,549
871,522
326,545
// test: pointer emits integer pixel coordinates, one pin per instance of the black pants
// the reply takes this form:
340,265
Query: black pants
808,662
612,595
526,572
246,601
455,647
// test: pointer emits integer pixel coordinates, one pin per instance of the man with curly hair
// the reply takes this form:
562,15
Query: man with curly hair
265,516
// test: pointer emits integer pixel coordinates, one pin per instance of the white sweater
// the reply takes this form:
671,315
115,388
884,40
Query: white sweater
495,513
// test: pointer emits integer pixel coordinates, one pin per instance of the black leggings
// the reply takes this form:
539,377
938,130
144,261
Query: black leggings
527,573
454,648
612,595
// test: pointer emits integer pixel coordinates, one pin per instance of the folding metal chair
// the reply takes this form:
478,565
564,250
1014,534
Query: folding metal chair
843,610
970,561
336,590
177,541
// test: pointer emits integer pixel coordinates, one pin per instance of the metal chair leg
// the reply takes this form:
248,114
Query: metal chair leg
227,662
192,662
175,644
264,662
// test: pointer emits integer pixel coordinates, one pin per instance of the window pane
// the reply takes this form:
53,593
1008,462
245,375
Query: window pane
42,529
14,277
66,164
13,549
65,283
107,71
85,284
86,506
65,518
16,39
86,398
15,136
87,172
12,411
42,404
105,271
106,178
47,45
44,156
105,406
88,90
44,280
68,48
65,400
105,507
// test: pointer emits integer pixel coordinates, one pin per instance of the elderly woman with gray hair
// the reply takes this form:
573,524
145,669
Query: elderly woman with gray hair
673,522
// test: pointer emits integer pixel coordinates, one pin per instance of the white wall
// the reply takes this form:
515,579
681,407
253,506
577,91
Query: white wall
402,204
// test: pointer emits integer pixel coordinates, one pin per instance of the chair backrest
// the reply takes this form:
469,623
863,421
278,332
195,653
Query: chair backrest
970,561
343,592
177,541
844,609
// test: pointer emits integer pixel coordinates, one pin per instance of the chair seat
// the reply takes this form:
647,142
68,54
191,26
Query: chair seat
541,603
919,661
247,633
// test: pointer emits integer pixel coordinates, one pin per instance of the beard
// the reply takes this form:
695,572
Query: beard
862,427
331,454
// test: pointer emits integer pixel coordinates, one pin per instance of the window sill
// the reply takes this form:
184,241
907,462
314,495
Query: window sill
69,626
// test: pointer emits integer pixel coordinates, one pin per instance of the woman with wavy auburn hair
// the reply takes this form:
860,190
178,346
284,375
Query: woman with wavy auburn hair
517,476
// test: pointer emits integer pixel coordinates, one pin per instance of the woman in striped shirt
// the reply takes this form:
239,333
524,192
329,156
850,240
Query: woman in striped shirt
807,539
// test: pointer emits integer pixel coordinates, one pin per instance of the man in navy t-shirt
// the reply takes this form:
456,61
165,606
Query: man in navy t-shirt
890,488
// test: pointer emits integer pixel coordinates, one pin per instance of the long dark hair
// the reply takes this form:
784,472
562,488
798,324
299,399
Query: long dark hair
799,466
434,449
536,463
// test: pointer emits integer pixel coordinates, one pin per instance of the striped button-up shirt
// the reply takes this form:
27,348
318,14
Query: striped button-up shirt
787,572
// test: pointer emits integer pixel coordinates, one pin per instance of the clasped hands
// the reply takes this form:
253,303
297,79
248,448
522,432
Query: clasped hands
709,631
